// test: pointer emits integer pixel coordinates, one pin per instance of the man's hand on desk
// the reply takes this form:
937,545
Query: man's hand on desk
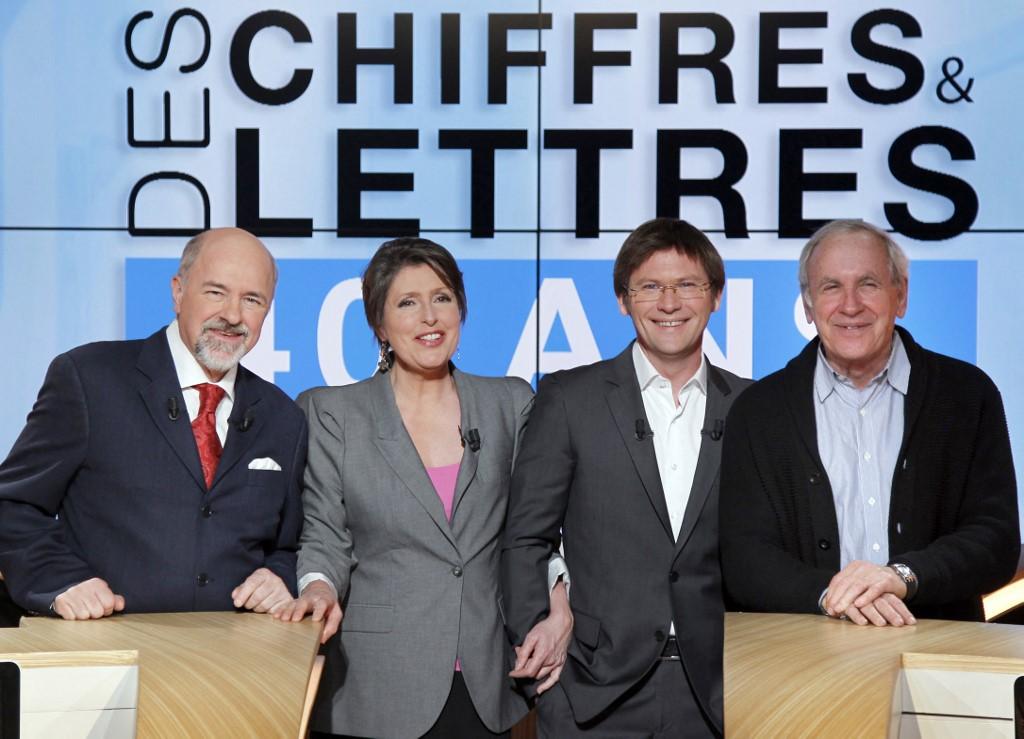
262,592
319,599
868,593
92,598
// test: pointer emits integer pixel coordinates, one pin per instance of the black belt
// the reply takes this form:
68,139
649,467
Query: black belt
671,649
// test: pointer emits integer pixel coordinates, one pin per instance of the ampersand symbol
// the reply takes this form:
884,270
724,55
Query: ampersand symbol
949,78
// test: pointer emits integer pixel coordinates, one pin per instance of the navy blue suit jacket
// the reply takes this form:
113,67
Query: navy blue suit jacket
102,482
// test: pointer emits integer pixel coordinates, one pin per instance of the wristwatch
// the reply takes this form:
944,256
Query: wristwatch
907,576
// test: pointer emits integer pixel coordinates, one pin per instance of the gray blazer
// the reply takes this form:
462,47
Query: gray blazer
417,591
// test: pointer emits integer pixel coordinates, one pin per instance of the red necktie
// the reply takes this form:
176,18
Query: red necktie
205,429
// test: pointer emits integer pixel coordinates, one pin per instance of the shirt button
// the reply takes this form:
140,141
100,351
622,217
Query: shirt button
871,501
863,412
675,466
457,571
867,455
202,579
875,547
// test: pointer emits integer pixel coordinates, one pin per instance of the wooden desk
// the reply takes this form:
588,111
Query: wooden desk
200,674
803,675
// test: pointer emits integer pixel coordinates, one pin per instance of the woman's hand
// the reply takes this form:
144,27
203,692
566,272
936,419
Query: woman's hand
543,651
319,599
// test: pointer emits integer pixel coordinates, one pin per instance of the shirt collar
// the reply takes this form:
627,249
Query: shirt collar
899,365
646,373
188,370
896,372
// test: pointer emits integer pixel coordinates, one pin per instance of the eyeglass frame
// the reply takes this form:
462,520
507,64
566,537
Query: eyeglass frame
703,288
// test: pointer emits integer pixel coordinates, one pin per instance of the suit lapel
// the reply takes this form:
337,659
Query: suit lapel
710,454
395,445
244,415
469,420
160,384
627,407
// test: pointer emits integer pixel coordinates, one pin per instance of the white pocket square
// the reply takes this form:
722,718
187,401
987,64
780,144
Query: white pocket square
264,463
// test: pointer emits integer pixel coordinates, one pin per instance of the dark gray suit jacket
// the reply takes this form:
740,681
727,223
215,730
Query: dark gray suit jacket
417,591
584,478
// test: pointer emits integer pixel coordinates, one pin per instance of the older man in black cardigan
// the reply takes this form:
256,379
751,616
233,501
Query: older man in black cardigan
870,479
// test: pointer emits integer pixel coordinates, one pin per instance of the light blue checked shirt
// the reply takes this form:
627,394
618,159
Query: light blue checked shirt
859,435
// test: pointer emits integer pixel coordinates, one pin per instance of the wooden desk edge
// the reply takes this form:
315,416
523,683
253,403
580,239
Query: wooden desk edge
92,658
960,662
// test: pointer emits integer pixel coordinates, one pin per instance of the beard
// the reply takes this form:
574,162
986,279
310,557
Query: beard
218,355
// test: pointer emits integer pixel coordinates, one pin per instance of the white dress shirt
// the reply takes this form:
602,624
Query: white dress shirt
676,422
190,373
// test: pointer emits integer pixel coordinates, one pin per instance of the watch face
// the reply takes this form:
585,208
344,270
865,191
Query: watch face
908,577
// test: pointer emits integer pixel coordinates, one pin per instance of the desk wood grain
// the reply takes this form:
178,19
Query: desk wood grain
802,675
200,674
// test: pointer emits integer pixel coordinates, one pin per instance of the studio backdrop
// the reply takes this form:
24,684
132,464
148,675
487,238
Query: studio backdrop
527,137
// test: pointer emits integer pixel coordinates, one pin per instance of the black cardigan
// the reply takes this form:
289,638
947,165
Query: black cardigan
953,511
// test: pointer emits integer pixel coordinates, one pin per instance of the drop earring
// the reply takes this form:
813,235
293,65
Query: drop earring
384,361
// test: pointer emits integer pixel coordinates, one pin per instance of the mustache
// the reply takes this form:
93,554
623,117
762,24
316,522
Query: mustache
219,324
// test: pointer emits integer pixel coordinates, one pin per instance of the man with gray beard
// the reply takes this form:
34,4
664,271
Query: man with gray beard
159,474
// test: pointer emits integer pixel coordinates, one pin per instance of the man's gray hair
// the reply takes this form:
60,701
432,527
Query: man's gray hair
191,254
899,265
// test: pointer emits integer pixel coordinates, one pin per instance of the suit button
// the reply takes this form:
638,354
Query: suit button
824,544
659,635
673,576
814,479
457,571
202,579
206,511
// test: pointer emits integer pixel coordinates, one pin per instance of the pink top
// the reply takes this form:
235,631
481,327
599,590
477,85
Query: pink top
444,483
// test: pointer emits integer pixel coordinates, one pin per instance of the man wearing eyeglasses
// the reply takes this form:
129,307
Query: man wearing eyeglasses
619,464
870,479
